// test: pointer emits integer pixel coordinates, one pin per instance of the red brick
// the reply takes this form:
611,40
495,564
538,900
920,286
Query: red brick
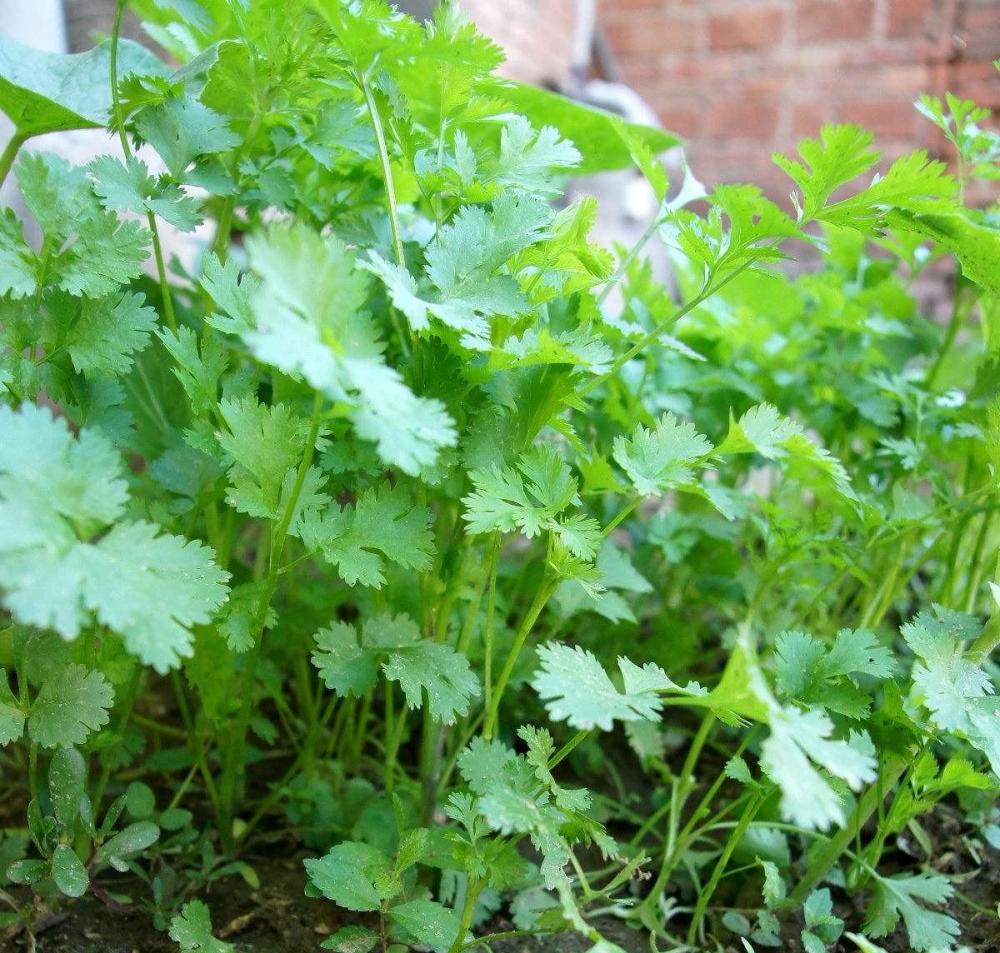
820,21
808,118
910,18
684,122
883,117
754,28
645,34
742,119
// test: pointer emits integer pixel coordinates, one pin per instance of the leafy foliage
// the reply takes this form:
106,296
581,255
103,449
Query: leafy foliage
402,416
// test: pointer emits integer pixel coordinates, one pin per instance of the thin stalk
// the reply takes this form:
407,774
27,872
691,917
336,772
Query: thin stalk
749,812
831,850
954,325
130,696
10,151
233,756
663,326
630,256
116,107
531,617
623,514
390,196
472,890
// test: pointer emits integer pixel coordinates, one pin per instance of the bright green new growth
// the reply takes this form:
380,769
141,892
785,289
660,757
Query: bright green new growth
404,526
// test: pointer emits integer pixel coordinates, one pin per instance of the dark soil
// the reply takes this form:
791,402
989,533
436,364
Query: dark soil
279,918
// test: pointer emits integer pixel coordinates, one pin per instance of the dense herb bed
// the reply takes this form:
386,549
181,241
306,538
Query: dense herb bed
410,546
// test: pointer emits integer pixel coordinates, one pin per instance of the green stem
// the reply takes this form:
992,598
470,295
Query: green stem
954,325
827,854
131,693
10,151
749,812
116,108
233,758
630,256
472,891
390,196
527,624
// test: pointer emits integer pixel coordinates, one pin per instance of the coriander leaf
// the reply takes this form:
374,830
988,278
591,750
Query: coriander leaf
198,369
798,738
69,706
191,929
107,332
957,691
262,445
309,323
659,459
346,659
905,895
80,478
763,430
56,493
128,186
232,292
438,670
576,689
841,154
182,129
384,526
151,588
355,876
528,157
17,259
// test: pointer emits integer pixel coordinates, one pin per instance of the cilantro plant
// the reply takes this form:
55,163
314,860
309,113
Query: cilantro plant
401,524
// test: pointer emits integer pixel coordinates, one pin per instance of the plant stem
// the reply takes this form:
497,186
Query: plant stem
116,108
390,197
472,890
829,852
233,755
527,624
749,812
17,139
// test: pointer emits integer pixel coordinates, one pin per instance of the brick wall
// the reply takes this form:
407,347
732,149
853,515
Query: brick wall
536,35
740,78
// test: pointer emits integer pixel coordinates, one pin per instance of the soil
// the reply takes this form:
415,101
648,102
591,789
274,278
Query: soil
279,918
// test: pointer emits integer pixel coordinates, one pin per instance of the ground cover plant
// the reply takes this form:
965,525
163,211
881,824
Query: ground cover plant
412,536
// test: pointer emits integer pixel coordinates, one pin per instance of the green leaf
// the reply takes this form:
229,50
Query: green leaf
660,459
801,740
128,186
309,323
67,784
17,268
593,130
763,430
183,129
906,896
351,940
106,333
531,498
191,930
128,843
463,265
68,872
428,923
55,489
11,716
959,694
69,707
576,689
841,154
46,92
347,660
355,876
384,526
